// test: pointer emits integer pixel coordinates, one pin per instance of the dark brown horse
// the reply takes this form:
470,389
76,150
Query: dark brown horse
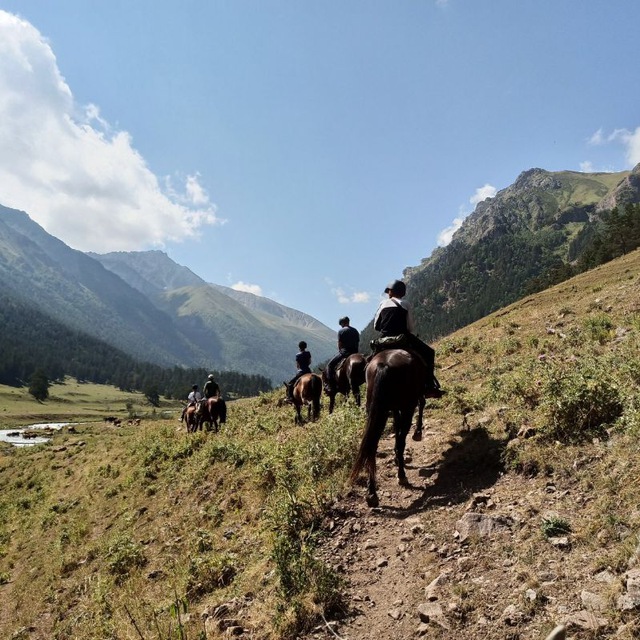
395,383
349,377
307,391
191,418
211,411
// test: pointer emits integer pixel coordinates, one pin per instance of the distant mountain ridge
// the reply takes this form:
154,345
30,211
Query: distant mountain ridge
250,332
540,223
151,308
157,311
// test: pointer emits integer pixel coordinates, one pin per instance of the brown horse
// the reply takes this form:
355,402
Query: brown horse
211,411
395,383
191,418
307,391
349,377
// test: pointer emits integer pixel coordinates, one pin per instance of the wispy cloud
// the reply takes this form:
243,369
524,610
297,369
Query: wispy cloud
587,166
480,194
349,297
70,171
630,140
256,289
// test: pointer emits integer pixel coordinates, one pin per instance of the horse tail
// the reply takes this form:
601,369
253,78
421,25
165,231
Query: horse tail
357,374
316,390
377,413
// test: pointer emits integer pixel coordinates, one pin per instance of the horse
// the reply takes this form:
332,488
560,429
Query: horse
307,390
349,376
211,410
395,383
191,418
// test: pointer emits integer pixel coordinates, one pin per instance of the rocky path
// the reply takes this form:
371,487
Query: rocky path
460,554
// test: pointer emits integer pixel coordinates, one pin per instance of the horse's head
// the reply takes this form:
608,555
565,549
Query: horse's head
326,384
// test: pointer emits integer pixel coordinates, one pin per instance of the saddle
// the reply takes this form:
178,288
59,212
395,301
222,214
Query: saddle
390,342
402,342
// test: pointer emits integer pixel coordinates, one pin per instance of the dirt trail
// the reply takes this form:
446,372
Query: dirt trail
411,574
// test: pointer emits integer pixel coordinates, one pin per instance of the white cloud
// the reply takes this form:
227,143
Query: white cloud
445,236
63,164
596,139
633,147
256,289
630,140
480,194
587,166
360,297
355,297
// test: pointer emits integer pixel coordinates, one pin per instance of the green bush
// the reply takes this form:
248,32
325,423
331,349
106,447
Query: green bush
208,573
122,556
577,403
554,526
600,328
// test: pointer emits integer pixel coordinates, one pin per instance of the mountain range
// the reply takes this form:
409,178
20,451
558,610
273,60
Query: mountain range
537,231
146,305
542,229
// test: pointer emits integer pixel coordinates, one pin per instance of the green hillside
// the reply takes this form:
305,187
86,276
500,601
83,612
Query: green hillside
544,228
146,532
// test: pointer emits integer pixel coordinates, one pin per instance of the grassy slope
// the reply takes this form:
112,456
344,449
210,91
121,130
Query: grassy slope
112,525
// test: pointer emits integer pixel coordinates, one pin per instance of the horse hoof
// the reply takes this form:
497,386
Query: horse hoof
403,482
417,436
372,500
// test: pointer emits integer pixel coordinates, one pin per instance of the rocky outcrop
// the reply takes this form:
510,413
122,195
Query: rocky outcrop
627,192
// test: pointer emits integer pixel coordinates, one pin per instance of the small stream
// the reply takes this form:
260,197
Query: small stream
27,436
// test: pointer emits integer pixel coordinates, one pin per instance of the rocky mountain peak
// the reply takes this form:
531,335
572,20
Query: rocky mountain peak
627,192
536,179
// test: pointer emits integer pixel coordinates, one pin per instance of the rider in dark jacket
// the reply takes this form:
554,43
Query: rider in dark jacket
395,318
303,365
348,343
212,390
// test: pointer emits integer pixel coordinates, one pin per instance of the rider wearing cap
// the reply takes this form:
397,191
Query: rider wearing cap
193,397
348,344
211,387
395,318
212,390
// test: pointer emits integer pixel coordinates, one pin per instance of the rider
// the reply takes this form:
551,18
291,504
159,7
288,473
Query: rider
194,397
303,365
212,390
395,318
348,343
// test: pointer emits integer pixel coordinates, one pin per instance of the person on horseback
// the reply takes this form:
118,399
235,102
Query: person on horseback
348,343
212,390
192,399
303,365
394,318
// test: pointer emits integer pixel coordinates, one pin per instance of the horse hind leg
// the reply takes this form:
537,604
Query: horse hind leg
402,425
372,491
417,433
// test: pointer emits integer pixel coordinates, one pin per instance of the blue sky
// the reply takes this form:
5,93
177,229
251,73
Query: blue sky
305,151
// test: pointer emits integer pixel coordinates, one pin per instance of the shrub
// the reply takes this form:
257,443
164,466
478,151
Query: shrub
578,403
122,556
208,573
554,526
600,328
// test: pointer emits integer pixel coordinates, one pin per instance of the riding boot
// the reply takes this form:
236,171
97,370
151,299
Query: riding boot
289,397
